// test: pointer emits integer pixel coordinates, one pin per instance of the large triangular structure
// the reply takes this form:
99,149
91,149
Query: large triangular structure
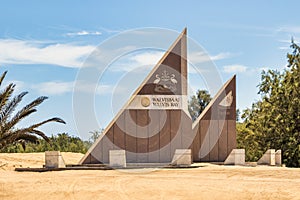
155,120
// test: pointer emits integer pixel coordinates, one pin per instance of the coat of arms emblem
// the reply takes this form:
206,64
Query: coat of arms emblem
165,82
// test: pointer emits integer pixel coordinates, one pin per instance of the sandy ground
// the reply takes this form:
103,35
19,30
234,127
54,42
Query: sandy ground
208,182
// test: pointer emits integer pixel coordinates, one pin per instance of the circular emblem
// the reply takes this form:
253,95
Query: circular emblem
145,101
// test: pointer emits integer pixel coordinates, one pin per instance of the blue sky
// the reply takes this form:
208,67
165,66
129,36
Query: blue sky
44,44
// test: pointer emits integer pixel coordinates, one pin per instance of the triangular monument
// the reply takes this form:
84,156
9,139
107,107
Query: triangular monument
155,121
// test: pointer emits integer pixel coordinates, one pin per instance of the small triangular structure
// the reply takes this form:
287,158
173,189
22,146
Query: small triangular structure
215,128
236,157
268,158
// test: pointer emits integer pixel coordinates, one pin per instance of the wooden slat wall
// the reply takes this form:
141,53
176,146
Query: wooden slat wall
231,128
142,135
196,143
154,136
130,136
164,138
213,140
107,142
175,119
159,147
118,132
223,153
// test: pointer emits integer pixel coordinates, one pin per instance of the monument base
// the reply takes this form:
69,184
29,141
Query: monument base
117,158
182,157
53,159
278,161
236,157
268,158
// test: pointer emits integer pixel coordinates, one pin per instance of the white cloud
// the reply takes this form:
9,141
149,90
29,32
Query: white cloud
150,59
54,88
200,57
289,29
234,68
36,52
147,58
221,56
84,33
59,87
283,48
20,85
87,87
129,63
104,89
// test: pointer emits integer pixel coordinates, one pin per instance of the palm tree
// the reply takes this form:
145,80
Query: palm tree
9,133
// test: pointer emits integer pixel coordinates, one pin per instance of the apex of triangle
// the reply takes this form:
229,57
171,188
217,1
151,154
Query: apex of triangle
184,32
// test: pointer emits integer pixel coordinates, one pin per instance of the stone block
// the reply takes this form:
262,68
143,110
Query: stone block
236,157
278,161
268,158
117,158
182,157
53,159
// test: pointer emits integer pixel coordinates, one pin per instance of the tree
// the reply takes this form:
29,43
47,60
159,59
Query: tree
94,135
274,121
9,132
198,102
238,113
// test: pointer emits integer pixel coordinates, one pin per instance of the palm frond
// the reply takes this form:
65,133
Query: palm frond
54,119
25,111
8,133
6,94
2,77
10,106
18,137
41,134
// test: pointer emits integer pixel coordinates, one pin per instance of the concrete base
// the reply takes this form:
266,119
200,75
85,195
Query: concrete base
268,158
53,159
117,158
236,157
278,161
182,157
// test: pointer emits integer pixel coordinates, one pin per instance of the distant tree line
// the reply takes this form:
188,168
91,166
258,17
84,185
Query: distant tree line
60,142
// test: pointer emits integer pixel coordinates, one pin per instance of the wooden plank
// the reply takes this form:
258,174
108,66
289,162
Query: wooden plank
231,143
213,140
142,134
130,136
153,136
93,160
119,132
196,143
87,160
204,149
175,131
107,144
223,141
164,137
187,134
98,153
